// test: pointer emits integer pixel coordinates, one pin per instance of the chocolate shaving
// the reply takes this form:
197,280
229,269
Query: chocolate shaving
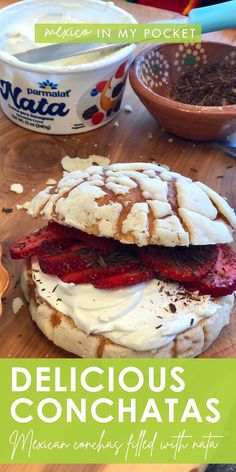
209,85
101,262
172,307
7,210
157,327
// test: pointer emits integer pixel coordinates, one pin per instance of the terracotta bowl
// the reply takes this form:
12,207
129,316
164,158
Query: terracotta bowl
156,69
4,281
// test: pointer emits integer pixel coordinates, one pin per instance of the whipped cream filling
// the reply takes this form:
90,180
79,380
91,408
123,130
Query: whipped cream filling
142,317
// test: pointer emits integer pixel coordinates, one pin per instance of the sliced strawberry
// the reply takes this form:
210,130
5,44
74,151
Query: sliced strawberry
55,245
99,242
133,277
65,231
30,246
92,274
77,257
100,265
88,239
182,264
221,280
81,276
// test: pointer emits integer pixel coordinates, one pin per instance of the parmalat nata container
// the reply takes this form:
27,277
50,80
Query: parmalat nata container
68,97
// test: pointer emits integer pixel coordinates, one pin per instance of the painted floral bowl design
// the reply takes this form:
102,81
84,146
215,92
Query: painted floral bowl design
155,70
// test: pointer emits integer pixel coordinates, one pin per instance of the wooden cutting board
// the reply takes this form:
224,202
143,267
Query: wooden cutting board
30,159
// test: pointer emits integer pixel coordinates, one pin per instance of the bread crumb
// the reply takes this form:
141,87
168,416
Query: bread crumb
51,182
150,135
24,206
170,140
17,304
128,108
17,188
116,124
76,163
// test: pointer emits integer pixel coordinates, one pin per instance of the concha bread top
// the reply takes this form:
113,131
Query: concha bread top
138,203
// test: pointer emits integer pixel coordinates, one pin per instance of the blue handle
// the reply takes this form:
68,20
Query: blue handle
215,17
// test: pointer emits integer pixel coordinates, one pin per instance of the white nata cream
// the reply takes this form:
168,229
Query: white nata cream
143,317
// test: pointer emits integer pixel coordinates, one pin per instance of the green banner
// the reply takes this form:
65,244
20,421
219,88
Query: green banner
117,33
117,411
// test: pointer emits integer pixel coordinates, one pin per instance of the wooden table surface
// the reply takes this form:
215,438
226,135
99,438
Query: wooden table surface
31,158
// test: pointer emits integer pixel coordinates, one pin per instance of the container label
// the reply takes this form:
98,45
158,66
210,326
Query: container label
64,106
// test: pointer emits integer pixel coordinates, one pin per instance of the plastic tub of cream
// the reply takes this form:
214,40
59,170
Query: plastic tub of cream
63,97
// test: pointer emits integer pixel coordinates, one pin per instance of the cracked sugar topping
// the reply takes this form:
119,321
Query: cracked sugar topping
138,203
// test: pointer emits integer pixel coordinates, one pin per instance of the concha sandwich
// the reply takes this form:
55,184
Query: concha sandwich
135,261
